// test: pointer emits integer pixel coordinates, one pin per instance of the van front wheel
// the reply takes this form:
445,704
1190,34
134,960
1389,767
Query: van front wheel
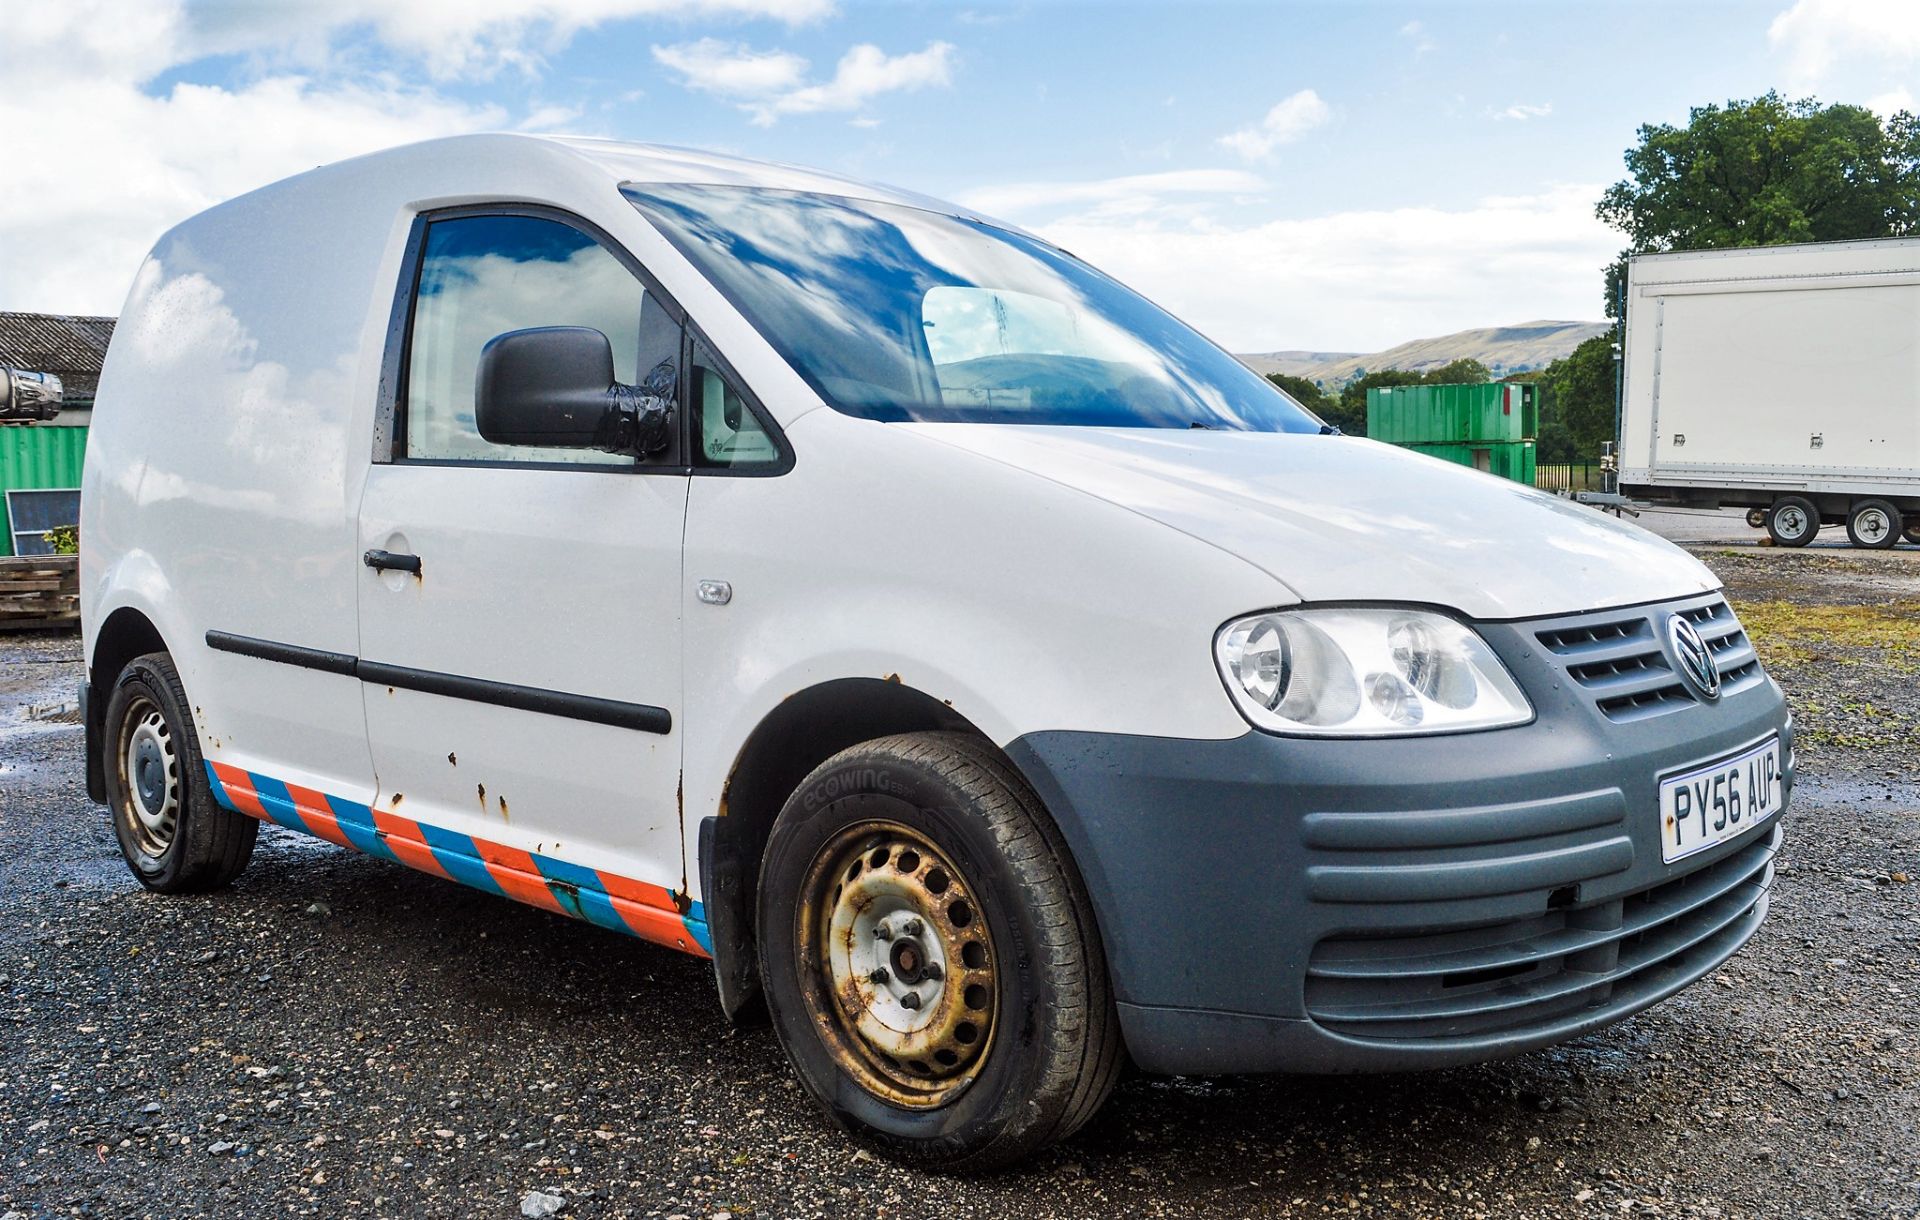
930,956
174,836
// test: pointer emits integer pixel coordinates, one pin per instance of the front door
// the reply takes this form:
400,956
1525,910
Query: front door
522,683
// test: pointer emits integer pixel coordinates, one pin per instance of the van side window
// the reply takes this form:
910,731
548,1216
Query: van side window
727,431
481,276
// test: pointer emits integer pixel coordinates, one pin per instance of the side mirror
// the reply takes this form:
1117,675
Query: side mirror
553,386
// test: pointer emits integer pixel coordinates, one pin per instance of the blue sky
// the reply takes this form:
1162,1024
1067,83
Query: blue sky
1332,175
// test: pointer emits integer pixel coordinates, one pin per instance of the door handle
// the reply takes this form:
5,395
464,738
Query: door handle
392,561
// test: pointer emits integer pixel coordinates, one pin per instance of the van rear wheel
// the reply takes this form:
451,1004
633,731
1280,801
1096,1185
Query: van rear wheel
174,836
930,956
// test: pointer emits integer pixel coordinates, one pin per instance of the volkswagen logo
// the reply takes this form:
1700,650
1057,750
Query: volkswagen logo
1696,659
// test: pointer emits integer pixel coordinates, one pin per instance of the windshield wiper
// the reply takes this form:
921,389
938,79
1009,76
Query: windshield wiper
1330,430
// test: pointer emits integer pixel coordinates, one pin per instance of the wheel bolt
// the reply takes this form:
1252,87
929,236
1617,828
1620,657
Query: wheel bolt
879,975
934,972
910,1000
914,927
882,932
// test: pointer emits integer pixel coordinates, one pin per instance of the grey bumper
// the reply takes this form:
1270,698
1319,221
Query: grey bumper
1285,904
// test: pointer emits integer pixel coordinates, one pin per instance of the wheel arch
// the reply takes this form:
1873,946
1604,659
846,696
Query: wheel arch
127,633
797,735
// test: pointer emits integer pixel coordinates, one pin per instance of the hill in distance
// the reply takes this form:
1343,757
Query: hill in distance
1503,349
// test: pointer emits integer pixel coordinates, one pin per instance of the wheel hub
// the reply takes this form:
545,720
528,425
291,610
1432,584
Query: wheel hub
905,974
152,773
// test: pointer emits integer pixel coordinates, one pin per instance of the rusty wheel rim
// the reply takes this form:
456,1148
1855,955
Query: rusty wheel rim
150,776
897,962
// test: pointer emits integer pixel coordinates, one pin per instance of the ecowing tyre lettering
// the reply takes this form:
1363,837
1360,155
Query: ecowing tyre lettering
175,837
930,957
1793,521
1873,524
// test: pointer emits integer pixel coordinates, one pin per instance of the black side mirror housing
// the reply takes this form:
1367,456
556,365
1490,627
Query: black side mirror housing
553,386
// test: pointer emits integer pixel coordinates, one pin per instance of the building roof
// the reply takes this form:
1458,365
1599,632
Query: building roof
69,347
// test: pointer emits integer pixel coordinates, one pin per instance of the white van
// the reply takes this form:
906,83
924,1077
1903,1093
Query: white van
991,675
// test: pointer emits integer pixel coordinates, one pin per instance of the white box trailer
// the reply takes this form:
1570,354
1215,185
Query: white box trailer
1785,379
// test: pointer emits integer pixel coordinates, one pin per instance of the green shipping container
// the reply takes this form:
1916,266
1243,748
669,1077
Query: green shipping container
1442,414
37,457
1508,459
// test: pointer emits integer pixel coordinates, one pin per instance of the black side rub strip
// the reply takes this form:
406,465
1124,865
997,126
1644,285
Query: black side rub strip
286,654
642,717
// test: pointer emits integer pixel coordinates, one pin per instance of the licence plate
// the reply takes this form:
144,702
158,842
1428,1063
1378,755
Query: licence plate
1714,803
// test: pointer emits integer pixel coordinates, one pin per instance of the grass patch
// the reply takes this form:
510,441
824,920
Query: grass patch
1788,633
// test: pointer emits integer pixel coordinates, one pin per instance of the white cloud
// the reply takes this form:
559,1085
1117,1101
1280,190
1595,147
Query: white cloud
732,69
1817,35
1359,280
74,75
1132,194
1290,118
1416,32
456,38
1893,101
769,84
1523,111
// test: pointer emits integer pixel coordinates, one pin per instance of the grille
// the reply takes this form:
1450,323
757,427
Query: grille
1619,658
1542,970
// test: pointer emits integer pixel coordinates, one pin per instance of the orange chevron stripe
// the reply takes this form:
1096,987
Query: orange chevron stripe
519,876
318,814
408,845
239,786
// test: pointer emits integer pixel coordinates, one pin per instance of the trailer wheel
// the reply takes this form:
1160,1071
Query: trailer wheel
1912,532
1793,521
1757,518
1873,524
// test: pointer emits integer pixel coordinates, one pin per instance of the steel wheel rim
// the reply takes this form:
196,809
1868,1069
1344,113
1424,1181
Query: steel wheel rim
1793,522
1872,525
150,776
885,915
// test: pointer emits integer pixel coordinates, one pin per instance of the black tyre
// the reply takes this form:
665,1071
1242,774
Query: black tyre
175,837
1912,532
930,957
1792,521
1873,524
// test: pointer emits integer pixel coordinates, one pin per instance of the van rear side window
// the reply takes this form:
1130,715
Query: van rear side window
481,276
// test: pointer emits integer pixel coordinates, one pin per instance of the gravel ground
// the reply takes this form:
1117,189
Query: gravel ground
337,1036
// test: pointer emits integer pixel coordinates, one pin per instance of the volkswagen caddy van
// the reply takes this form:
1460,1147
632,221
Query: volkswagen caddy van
990,675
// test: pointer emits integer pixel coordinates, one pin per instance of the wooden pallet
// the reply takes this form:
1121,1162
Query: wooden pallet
39,591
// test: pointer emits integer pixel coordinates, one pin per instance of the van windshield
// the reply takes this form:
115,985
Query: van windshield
895,313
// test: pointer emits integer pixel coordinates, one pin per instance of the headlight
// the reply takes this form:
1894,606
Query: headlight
1365,673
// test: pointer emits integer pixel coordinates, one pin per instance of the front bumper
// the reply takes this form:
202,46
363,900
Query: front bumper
1287,904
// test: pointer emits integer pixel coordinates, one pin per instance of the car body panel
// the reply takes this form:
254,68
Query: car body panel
1345,519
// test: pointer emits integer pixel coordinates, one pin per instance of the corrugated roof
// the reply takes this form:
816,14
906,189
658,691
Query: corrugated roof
72,347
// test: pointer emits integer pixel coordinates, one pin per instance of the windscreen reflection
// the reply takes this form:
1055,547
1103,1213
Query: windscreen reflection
895,313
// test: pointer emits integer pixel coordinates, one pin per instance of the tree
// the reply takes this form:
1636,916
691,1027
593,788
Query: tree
1762,172
1464,371
1302,391
1576,402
